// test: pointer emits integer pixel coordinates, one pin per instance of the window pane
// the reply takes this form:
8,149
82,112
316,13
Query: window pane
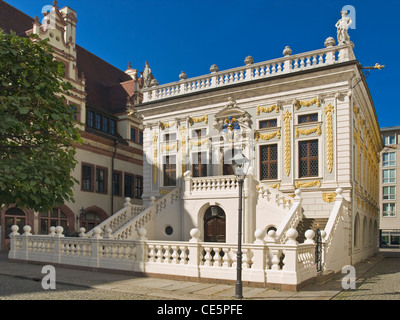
86,178
105,124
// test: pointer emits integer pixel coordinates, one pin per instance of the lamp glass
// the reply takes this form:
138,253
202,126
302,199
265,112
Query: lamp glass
240,165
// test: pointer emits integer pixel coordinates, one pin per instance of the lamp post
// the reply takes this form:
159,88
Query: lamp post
240,166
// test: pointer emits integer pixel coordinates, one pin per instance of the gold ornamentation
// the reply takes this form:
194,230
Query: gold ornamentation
155,155
286,118
329,197
198,143
329,110
268,136
192,120
182,132
275,186
166,125
267,109
169,147
164,191
308,184
307,132
307,103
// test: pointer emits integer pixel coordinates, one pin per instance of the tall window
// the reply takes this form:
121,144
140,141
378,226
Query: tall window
389,159
141,137
389,176
269,162
89,220
116,184
133,134
53,218
170,171
90,119
87,178
101,180
139,187
389,193
389,210
128,186
199,166
308,158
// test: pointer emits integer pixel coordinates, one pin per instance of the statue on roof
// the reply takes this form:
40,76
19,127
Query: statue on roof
147,76
342,26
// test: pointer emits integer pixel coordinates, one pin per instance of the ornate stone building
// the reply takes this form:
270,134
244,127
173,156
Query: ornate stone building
307,124
110,159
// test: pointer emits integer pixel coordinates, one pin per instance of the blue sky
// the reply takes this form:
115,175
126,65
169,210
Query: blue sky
191,35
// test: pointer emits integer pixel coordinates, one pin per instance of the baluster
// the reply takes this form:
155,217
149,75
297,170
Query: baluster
273,69
152,253
184,255
217,257
174,255
314,61
225,258
207,256
302,63
276,255
279,68
159,254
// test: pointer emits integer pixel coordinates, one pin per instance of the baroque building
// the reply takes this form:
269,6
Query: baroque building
307,124
110,159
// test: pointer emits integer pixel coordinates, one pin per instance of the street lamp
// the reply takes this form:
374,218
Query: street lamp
240,166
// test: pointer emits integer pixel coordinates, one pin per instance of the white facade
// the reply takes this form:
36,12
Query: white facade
307,124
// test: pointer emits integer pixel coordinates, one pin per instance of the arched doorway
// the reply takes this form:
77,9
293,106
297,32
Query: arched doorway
13,216
214,225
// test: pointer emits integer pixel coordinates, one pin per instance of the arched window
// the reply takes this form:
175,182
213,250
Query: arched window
89,220
54,218
356,230
14,216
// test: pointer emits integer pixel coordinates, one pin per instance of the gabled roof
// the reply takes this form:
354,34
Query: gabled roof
11,19
107,87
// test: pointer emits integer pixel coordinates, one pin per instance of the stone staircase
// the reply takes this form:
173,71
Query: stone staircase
310,224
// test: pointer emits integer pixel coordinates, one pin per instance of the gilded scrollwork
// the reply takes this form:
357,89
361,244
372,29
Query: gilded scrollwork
267,136
329,110
287,117
309,131
267,109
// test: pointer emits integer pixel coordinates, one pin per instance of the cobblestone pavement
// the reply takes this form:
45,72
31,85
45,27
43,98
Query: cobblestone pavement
381,282
378,278
13,288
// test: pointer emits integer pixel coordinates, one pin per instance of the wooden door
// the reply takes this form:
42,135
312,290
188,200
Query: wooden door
214,225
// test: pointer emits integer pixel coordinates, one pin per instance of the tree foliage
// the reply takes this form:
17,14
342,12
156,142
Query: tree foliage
37,131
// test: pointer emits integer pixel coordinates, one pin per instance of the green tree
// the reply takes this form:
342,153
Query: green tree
37,132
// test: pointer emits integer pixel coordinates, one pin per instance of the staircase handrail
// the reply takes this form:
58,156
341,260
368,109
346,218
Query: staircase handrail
335,217
118,219
141,220
291,220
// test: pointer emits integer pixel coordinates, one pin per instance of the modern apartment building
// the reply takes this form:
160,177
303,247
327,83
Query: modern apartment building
390,192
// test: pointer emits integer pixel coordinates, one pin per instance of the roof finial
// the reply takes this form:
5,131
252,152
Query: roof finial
55,3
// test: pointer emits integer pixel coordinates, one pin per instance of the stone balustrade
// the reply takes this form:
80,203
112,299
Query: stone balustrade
252,71
120,218
287,264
